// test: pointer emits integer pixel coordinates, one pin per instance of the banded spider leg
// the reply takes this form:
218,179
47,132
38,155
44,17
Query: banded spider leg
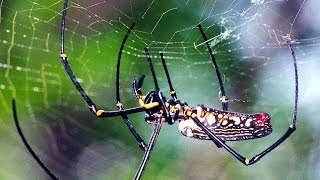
101,113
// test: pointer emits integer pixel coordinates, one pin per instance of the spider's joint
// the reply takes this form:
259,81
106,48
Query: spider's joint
63,56
173,92
93,108
119,104
99,112
224,98
292,126
143,146
247,161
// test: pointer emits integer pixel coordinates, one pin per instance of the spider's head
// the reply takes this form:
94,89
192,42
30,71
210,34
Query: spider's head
154,103
160,111
152,113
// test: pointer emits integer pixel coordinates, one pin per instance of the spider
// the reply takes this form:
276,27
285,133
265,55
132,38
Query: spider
198,122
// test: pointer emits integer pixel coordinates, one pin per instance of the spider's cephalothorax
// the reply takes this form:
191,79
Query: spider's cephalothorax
152,114
152,103
173,110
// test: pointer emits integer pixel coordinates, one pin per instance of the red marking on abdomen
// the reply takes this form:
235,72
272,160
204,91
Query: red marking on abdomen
264,118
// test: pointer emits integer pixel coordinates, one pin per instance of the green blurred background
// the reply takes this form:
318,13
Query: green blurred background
248,39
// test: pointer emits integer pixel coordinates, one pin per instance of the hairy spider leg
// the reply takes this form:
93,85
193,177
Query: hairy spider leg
101,113
291,129
26,144
223,98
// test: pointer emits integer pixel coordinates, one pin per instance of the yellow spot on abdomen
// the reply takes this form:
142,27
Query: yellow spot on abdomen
211,119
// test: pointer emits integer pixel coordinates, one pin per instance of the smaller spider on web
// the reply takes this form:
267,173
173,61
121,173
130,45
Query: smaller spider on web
204,123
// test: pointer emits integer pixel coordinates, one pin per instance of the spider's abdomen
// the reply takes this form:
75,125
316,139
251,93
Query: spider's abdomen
229,126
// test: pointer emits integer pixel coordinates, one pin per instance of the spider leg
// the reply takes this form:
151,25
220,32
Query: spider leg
138,93
161,98
91,104
126,120
104,113
64,60
172,91
256,158
146,50
99,113
245,161
26,144
120,107
151,143
223,97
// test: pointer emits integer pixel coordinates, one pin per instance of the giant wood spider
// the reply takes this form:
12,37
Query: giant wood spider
198,122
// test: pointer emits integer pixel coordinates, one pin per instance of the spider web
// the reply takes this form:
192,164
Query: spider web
249,40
